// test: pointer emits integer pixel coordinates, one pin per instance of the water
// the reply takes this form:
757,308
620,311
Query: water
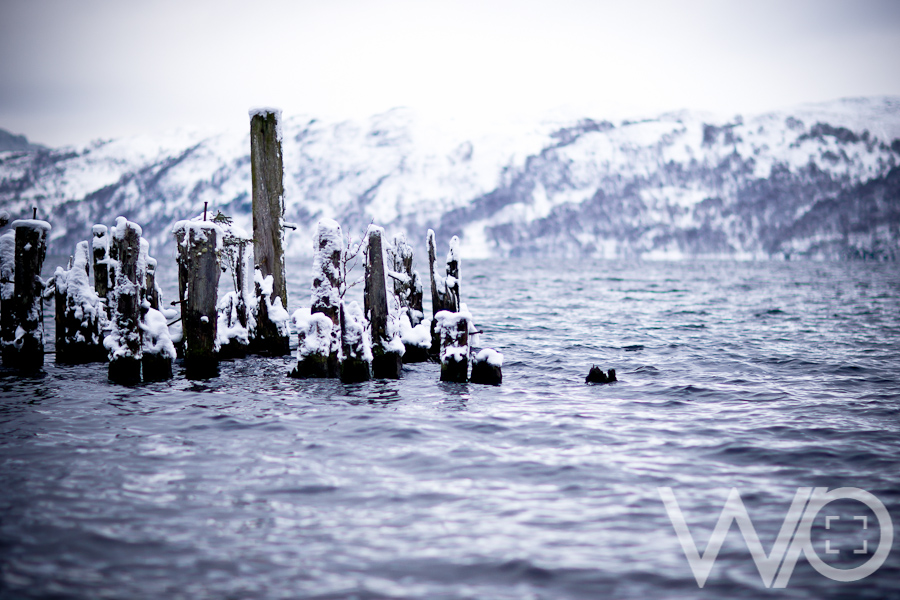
763,377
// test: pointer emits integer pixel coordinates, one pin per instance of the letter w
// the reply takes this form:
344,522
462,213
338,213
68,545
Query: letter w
734,510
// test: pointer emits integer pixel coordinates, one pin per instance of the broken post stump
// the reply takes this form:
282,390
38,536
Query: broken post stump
387,349
100,251
125,342
453,328
486,367
415,335
80,315
267,174
236,324
444,288
318,352
26,352
198,281
356,364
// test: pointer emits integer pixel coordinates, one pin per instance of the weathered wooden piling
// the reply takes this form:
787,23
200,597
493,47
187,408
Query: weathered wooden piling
7,293
387,349
198,280
356,363
100,250
487,367
407,289
125,342
444,288
26,349
453,328
268,223
80,314
236,323
318,333
151,289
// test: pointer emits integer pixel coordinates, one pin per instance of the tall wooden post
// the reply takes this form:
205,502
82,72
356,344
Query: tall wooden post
126,352
198,281
387,360
268,197
79,312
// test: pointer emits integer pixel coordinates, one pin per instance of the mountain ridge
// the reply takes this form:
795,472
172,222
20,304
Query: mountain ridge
817,181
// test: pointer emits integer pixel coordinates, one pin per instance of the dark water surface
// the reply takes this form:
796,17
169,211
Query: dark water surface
763,377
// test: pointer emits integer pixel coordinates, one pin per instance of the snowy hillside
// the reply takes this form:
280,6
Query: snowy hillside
819,180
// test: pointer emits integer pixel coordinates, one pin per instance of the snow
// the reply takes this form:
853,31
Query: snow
420,335
355,336
315,332
490,356
263,112
36,224
198,230
156,338
275,309
328,241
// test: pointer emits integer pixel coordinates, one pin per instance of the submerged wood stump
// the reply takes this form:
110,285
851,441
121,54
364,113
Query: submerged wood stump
198,281
387,353
268,222
444,288
126,341
486,367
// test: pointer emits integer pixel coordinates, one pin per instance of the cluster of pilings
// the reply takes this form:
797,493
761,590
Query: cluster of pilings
338,339
109,306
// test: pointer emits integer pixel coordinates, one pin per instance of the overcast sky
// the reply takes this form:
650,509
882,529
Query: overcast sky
76,71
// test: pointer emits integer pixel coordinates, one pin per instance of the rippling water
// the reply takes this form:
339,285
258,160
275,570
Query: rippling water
758,376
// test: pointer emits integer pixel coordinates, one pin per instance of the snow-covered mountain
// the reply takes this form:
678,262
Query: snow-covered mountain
819,180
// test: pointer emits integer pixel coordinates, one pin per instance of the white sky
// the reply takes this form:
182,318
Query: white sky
75,71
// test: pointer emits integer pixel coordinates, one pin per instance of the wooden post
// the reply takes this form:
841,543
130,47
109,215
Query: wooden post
387,353
444,288
487,367
454,332
7,295
319,344
198,281
356,365
268,212
79,312
127,343
408,291
150,288
27,349
100,249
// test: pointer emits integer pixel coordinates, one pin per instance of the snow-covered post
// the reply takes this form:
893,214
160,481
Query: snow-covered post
387,349
268,220
7,291
444,288
237,322
79,312
318,352
198,281
356,360
124,342
150,288
26,350
414,334
487,367
454,328
100,248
